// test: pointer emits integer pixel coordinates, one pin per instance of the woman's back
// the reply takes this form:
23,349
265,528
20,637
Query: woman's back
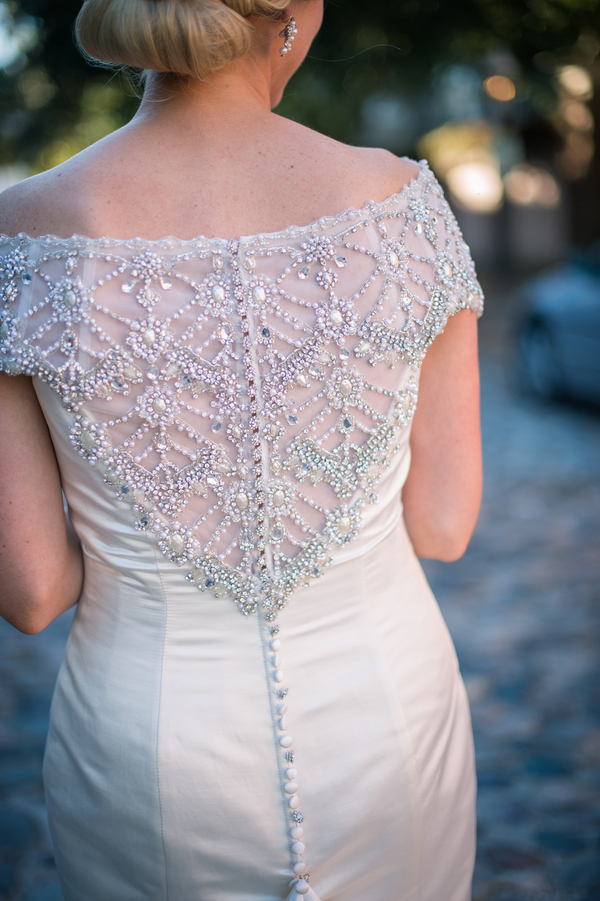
233,423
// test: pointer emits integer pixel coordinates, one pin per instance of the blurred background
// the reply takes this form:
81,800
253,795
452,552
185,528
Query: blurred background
502,97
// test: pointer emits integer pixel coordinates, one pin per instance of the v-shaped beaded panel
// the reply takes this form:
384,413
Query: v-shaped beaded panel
245,397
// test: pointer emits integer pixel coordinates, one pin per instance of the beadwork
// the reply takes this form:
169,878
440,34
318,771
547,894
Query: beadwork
244,397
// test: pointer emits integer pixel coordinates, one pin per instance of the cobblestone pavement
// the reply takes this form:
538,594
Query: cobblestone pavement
523,607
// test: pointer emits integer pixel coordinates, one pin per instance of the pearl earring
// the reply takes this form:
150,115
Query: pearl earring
288,34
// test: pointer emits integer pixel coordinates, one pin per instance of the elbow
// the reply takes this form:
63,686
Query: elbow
32,611
444,545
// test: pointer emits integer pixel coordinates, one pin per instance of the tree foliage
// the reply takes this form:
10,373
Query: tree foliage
53,103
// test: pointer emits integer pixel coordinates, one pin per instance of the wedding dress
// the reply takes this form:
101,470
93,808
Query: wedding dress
231,419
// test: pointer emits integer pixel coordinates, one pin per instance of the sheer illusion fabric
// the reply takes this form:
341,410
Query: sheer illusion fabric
231,419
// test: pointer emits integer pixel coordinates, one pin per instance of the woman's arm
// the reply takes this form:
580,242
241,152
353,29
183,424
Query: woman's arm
41,568
442,493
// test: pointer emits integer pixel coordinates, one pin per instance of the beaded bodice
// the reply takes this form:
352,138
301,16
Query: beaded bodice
245,397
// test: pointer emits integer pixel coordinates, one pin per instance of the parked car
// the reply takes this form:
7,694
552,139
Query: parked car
557,346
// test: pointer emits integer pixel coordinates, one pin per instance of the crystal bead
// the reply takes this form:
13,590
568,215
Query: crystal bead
259,294
165,284
394,259
447,269
26,278
149,336
346,387
152,373
301,380
217,263
218,293
70,265
340,262
266,333
222,334
70,298
418,228
344,353
344,525
304,272
216,426
336,317
159,405
278,497
250,263
293,420
128,287
177,543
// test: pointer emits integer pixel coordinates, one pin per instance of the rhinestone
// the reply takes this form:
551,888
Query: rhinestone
149,336
88,441
447,268
216,426
124,490
177,543
70,298
199,487
212,481
344,525
165,284
70,265
259,294
301,380
266,333
245,540
149,295
418,228
128,287
222,334
324,358
241,500
336,317
362,347
217,263
159,405
394,259
346,387
279,497
152,373
344,353
340,262
293,420
218,293
143,521
277,534
26,278
304,272
250,263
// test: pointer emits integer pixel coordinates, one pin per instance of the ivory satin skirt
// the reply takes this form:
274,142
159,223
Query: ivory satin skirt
161,769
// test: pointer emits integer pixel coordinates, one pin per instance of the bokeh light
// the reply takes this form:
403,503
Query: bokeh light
499,87
530,186
576,81
477,186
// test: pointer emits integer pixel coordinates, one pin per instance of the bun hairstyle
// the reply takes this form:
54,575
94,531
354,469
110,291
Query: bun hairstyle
183,37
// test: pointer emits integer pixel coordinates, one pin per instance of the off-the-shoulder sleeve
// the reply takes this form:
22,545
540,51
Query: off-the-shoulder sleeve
15,279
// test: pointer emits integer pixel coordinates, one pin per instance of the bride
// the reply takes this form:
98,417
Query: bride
259,697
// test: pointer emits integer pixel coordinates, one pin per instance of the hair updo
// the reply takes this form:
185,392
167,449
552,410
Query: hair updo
184,37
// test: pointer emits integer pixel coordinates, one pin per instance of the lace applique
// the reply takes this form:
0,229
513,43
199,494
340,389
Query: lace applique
245,397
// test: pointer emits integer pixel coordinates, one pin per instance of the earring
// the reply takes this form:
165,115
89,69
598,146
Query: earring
288,34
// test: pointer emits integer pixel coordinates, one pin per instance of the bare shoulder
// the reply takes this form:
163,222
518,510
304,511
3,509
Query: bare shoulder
37,205
357,174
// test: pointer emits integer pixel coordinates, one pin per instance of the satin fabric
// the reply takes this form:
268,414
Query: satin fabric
161,769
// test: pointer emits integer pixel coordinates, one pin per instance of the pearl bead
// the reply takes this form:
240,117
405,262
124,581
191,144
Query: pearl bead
286,741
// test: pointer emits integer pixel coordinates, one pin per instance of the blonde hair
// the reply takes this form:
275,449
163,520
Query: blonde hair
184,37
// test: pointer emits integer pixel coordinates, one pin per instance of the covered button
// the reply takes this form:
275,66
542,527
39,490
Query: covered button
298,848
302,888
286,741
